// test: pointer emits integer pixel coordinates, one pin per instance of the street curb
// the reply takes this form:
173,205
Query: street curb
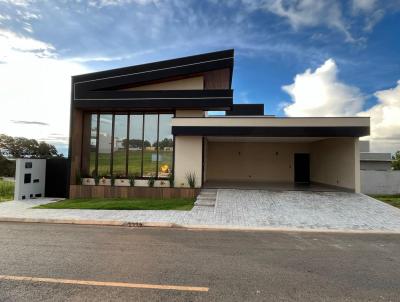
190,226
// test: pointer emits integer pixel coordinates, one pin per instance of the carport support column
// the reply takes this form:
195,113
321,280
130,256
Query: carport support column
188,159
357,186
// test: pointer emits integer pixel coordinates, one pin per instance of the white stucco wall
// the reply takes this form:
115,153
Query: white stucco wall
336,162
38,177
188,158
380,182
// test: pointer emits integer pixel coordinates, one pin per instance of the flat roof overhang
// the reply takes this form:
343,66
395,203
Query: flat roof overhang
272,127
156,100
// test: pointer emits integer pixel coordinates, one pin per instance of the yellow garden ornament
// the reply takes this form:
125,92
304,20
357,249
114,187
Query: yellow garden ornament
164,168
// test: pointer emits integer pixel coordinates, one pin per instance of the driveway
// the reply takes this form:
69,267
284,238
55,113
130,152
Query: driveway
242,209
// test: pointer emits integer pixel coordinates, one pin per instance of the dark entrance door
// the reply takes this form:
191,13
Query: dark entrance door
302,167
57,177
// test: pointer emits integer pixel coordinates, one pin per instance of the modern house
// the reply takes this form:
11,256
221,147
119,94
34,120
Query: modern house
152,121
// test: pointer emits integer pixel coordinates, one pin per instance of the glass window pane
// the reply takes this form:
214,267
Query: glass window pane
105,144
150,145
166,146
120,143
93,141
135,144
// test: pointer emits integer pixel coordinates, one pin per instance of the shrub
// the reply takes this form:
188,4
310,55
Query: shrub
171,180
151,182
78,178
96,179
131,180
191,179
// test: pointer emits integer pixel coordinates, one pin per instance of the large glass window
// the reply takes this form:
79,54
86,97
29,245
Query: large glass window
165,146
150,145
105,136
135,145
120,144
129,144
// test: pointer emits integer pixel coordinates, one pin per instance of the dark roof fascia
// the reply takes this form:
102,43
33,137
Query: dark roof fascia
152,104
153,94
246,110
156,70
271,131
160,100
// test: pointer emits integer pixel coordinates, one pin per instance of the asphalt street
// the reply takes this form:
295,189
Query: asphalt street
200,265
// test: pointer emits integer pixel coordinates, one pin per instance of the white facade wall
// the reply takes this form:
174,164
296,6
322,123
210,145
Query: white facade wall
380,182
35,187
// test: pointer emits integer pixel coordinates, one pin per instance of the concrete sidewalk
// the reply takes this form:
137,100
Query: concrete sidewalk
237,209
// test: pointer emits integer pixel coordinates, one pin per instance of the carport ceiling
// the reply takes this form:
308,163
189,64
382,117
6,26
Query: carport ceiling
264,139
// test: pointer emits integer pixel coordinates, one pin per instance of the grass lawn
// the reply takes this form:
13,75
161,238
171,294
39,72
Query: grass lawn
180,204
393,200
6,190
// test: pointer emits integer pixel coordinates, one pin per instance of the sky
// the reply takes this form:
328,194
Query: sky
299,58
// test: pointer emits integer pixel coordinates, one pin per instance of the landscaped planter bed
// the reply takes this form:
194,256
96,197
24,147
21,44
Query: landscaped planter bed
107,191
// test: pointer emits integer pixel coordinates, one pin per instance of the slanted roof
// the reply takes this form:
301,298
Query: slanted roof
107,89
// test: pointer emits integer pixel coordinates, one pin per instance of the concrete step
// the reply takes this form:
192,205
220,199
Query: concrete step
208,194
206,198
204,203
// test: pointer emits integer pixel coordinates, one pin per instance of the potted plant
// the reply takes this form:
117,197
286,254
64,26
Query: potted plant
191,179
112,180
171,179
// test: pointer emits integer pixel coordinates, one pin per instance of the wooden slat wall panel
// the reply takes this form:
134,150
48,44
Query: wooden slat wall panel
76,143
80,191
217,79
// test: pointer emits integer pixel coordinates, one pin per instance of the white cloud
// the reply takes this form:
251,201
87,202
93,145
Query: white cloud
363,5
305,13
35,86
385,120
320,93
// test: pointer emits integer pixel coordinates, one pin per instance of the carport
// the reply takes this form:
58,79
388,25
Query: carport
280,163
317,154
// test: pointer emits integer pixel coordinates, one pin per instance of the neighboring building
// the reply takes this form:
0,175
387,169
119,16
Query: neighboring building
149,103
377,176
370,161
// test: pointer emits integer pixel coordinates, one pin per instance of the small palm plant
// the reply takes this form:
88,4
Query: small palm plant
151,182
191,179
78,178
131,180
96,178
112,180
171,180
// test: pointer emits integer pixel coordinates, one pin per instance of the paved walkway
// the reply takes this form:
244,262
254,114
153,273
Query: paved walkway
252,209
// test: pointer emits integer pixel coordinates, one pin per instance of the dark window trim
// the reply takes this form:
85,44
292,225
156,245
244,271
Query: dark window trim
97,145
112,144
129,114
128,125
158,142
141,169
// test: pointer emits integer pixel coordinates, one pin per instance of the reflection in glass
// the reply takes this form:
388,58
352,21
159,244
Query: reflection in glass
150,145
120,144
135,144
165,146
92,147
105,135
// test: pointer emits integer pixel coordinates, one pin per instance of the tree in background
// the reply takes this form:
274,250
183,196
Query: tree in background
7,167
21,147
396,161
